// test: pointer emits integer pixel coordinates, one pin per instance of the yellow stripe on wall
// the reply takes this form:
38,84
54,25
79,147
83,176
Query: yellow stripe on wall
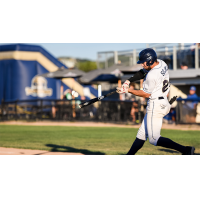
29,56
45,62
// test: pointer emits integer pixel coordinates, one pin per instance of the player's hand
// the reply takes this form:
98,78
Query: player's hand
126,84
122,90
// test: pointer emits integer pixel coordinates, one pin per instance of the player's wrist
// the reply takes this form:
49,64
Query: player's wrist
122,90
126,84
130,91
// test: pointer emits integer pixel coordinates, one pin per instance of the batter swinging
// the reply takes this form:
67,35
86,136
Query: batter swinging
155,87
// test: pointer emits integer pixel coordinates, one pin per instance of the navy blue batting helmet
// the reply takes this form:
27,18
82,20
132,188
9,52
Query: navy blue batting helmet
147,55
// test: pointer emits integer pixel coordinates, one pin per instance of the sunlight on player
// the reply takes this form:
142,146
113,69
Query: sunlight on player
156,88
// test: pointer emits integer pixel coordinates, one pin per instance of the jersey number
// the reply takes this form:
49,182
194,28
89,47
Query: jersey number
165,86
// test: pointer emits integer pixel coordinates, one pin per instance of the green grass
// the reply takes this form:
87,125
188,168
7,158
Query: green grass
89,140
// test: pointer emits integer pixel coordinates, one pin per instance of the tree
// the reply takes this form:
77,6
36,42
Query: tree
87,66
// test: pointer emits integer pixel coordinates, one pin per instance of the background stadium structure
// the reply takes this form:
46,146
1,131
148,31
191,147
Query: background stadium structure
20,67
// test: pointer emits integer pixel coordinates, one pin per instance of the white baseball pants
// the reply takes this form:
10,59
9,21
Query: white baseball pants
152,122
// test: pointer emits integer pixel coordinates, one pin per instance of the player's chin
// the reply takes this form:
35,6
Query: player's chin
147,68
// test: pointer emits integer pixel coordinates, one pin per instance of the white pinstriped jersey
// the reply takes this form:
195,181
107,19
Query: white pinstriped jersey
156,81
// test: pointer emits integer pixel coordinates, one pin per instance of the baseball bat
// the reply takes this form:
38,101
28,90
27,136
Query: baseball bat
172,100
87,103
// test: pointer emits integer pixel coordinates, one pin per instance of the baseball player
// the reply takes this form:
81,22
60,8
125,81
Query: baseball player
155,87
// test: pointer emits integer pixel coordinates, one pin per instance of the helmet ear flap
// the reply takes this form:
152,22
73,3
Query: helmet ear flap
149,63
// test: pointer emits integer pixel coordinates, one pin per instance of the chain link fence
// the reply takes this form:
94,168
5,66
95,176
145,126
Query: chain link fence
188,111
68,110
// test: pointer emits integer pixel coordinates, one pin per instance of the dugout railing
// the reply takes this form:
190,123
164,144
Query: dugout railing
68,110
187,111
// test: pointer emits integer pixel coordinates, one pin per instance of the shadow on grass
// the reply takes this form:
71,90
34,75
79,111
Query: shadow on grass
168,150
59,148
173,151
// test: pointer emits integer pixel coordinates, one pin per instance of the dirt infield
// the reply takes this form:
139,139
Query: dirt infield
99,124
13,151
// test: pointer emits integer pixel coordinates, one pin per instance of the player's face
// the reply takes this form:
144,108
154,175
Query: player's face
144,65
192,92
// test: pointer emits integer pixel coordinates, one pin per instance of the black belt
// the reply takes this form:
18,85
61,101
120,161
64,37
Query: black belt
159,98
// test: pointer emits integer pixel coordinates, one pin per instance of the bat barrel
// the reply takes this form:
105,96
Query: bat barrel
87,103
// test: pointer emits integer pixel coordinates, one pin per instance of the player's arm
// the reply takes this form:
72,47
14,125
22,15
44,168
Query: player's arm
138,76
146,92
139,93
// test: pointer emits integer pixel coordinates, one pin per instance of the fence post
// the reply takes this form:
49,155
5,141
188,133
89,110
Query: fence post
174,58
139,111
73,107
182,46
106,61
196,57
97,62
16,110
115,57
41,109
119,110
166,51
2,104
177,113
134,57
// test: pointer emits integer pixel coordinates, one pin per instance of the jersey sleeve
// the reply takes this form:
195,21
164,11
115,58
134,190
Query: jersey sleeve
149,84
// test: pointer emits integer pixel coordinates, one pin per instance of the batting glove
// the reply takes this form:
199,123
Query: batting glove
126,84
122,90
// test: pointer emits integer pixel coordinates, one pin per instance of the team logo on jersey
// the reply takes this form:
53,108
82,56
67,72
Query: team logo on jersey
38,87
164,70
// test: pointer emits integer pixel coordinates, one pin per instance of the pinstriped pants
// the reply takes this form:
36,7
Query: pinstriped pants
152,122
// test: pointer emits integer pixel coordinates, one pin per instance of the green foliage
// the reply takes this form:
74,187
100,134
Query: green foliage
89,140
86,66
